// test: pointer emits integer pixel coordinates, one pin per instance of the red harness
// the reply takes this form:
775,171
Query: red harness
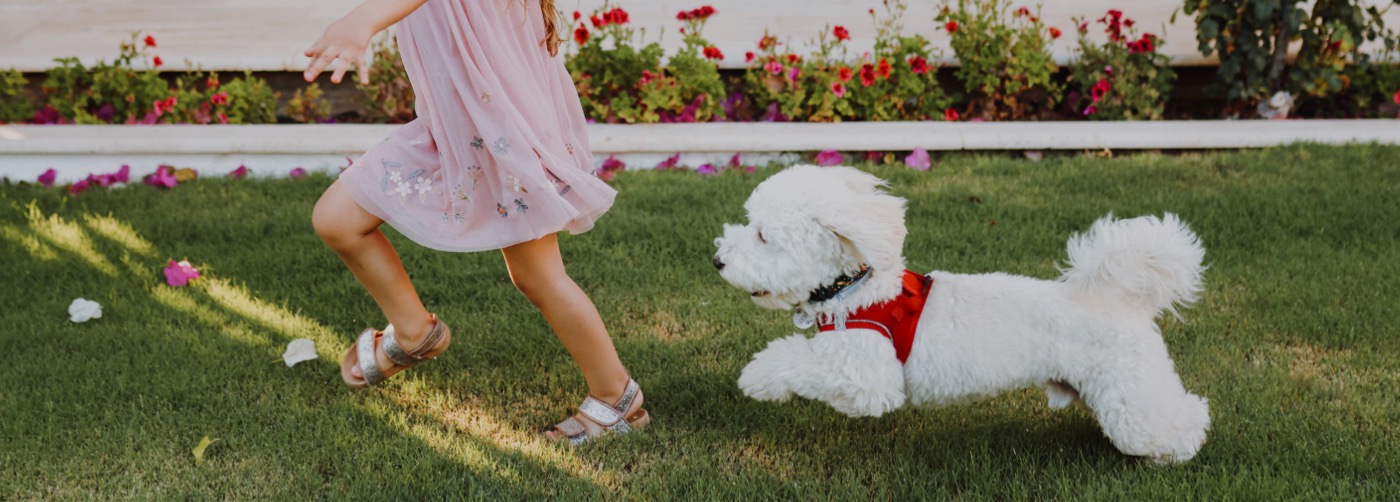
896,318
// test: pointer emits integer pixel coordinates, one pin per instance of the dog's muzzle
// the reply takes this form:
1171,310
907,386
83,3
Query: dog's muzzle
719,264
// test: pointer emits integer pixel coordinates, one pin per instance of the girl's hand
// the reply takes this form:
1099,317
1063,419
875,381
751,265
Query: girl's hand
345,40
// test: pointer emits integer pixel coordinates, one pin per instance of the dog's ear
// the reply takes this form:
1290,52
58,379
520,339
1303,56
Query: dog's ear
872,220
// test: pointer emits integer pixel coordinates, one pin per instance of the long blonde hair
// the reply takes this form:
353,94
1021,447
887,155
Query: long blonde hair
551,26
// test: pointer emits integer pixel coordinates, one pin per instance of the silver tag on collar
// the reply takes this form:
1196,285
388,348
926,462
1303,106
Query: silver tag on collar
802,319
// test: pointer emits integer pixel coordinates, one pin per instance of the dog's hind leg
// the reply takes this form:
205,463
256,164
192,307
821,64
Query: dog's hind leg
1060,394
1145,411
854,371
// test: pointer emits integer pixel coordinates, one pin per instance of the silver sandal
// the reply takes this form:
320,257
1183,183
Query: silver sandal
362,353
612,418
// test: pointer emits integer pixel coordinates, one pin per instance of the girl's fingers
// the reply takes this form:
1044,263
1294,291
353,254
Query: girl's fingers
319,64
339,72
362,67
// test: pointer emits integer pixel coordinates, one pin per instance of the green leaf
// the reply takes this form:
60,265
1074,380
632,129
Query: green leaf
199,449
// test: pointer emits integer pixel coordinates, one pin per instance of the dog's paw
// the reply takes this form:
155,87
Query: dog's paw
772,374
1060,395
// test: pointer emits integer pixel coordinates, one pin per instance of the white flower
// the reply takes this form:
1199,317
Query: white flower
301,349
82,310
403,190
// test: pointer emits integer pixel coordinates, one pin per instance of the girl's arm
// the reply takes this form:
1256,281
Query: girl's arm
348,38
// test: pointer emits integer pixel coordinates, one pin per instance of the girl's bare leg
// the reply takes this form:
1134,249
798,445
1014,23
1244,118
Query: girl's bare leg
353,233
537,269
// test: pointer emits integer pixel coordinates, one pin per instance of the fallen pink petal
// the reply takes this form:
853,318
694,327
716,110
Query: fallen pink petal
164,177
830,158
180,274
918,159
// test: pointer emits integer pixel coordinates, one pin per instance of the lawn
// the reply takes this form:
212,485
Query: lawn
1294,343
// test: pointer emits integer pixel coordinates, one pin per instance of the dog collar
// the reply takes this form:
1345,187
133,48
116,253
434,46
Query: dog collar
841,284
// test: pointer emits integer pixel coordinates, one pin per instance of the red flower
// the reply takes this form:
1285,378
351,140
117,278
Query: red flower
766,42
1054,32
615,16
952,26
1100,89
919,65
1023,11
647,76
841,33
748,57
150,40
1128,23
1143,45
581,34
867,74
838,89
597,21
157,61
845,75
884,68
212,83
1397,97
577,15
950,115
1084,27
713,53
793,58
701,13
219,99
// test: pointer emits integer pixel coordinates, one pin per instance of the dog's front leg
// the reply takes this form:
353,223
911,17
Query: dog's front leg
854,371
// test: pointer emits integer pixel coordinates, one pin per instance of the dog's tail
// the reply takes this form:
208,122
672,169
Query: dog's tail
1154,263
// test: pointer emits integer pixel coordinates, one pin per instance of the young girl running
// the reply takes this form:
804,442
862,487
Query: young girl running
498,158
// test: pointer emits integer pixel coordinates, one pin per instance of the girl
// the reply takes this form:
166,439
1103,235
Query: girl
498,158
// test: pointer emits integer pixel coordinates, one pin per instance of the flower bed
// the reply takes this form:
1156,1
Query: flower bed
1004,72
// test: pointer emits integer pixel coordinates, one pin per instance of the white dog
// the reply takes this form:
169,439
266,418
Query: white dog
827,241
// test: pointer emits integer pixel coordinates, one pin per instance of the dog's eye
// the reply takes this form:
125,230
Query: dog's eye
760,237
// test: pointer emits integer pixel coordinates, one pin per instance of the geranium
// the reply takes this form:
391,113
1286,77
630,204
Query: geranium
1090,110
150,40
1144,44
157,61
919,65
844,74
1101,89
616,16
867,74
918,159
647,77
180,274
774,67
713,53
577,15
950,115
581,34
748,57
793,58
696,14
1397,97
951,26
1054,32
884,68
838,89
79,187
219,99
47,178
767,42
830,158
840,33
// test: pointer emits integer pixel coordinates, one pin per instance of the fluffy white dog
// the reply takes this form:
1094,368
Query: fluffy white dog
827,241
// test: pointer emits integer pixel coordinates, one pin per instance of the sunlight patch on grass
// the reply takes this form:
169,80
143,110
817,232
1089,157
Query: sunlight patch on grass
482,426
68,236
181,302
120,232
290,325
30,243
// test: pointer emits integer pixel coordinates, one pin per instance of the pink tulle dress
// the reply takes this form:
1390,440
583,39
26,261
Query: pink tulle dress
499,152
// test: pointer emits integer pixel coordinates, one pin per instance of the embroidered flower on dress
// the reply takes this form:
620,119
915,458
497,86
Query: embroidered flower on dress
515,184
520,205
501,210
501,146
402,191
570,147
486,97
425,186
478,143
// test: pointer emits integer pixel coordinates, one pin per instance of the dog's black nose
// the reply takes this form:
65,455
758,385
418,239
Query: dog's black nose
718,264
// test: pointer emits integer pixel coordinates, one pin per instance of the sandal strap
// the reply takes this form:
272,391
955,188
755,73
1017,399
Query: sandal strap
605,415
629,394
396,353
369,368
573,429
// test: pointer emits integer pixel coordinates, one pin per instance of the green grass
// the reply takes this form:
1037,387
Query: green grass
1294,342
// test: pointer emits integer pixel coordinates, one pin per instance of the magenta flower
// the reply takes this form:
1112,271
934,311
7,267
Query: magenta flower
707,170
164,177
918,159
297,173
48,177
830,158
610,168
78,187
122,175
774,67
239,173
669,163
180,274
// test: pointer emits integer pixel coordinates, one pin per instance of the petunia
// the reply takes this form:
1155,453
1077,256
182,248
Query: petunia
844,74
867,74
581,34
951,26
122,175
82,310
50,175
610,167
706,170
180,274
774,67
830,158
79,187
301,349
297,173
838,89
1054,32
840,33
669,163
239,173
1396,98
950,115
150,40
918,159
157,61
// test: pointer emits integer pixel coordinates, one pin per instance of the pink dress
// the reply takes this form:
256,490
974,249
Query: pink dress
499,152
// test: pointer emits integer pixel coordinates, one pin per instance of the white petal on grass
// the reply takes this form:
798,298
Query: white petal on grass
82,310
301,349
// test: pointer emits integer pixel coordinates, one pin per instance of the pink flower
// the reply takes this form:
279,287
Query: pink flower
1090,110
793,74
78,187
774,67
838,89
1100,89
297,173
707,170
669,163
610,168
180,274
219,99
50,175
164,177
748,57
918,159
736,161
223,119
830,158
122,175
239,173
918,65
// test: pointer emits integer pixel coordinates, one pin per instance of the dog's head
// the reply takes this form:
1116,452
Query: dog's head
808,226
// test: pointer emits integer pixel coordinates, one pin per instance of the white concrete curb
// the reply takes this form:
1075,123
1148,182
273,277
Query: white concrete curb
75,151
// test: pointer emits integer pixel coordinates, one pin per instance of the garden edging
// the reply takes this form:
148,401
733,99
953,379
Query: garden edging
76,151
